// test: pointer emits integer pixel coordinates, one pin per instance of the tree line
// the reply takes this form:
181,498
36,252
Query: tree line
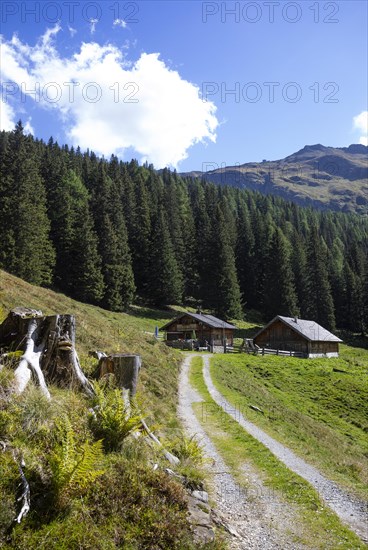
112,233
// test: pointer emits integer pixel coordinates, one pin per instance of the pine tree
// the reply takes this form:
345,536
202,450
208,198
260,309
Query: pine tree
226,298
319,306
280,295
25,248
166,283
113,242
245,253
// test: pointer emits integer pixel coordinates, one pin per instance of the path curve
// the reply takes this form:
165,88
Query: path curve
257,523
352,512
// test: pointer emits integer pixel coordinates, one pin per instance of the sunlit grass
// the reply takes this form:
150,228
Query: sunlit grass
318,407
317,525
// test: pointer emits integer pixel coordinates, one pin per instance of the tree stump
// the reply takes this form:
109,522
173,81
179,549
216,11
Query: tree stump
125,367
48,345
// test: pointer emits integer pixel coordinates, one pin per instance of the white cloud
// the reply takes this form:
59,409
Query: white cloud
28,128
93,23
72,31
120,23
109,104
360,123
7,118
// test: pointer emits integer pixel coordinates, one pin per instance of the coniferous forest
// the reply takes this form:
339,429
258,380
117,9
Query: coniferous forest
113,233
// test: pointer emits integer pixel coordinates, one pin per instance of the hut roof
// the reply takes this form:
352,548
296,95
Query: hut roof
310,330
208,320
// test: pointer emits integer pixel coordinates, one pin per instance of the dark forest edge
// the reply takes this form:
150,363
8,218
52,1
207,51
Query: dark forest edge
113,233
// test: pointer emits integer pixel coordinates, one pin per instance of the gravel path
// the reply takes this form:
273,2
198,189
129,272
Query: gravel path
352,512
255,519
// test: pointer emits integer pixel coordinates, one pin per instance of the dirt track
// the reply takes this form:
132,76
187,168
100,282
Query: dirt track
261,521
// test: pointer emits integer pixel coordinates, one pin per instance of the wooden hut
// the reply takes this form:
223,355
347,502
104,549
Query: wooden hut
206,330
298,335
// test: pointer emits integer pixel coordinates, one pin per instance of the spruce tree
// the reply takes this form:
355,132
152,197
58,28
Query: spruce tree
113,242
166,283
140,238
226,298
25,248
86,274
280,295
245,254
319,305
299,267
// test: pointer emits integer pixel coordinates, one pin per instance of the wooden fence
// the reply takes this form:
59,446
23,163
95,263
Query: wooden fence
268,351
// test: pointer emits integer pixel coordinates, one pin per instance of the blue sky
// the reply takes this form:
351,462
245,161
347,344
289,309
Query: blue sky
188,84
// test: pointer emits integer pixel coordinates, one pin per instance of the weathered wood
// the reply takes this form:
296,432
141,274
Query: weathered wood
125,367
25,493
31,359
48,343
97,354
23,488
174,460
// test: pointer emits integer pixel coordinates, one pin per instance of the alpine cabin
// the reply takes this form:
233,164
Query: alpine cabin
298,335
206,330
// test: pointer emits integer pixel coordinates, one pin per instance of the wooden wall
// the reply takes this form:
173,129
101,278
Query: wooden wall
184,327
280,336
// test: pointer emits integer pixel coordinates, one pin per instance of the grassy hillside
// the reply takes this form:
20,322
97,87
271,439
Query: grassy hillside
318,407
98,329
91,487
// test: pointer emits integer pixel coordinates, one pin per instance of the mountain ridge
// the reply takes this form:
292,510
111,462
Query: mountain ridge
327,178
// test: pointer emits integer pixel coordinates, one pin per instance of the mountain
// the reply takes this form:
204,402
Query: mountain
323,177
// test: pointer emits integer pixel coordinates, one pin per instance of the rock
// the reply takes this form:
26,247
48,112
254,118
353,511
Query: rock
199,513
232,531
200,495
203,534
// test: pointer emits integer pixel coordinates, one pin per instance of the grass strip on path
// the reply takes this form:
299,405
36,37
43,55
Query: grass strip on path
317,407
237,447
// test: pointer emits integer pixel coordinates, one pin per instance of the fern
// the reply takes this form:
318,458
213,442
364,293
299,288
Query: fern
74,466
111,421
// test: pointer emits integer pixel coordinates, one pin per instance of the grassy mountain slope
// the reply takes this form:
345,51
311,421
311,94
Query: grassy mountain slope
319,176
87,494
99,329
